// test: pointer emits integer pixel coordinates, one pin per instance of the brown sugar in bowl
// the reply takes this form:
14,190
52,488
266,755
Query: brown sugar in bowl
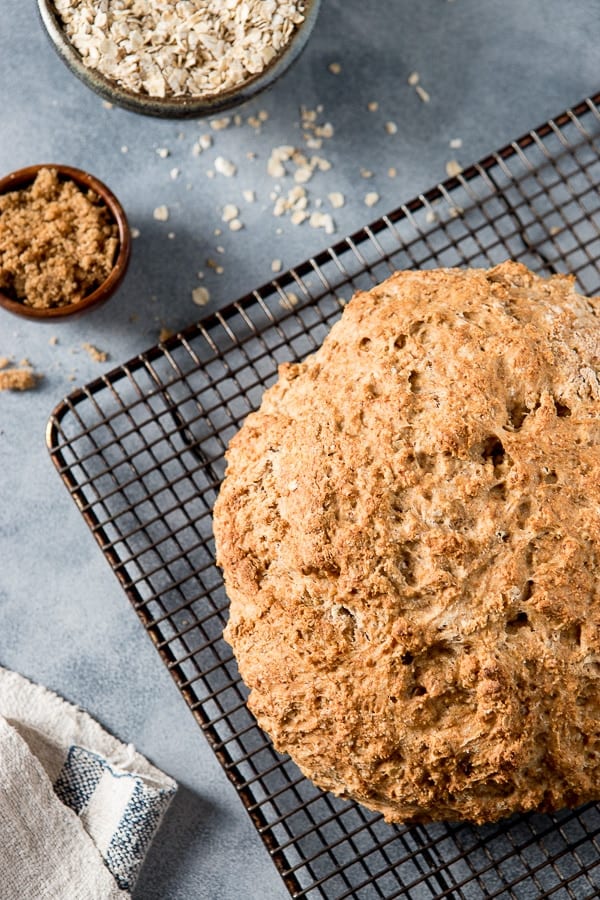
24,178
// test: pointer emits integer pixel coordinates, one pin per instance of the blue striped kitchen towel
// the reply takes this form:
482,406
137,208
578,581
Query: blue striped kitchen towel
78,808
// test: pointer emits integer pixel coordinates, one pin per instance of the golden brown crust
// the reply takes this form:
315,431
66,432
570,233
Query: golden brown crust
409,531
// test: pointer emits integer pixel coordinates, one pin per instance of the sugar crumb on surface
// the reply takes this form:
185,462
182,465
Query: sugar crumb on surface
17,378
94,353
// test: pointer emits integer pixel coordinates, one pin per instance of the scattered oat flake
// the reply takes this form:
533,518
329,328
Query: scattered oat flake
289,300
455,143
453,168
276,265
249,196
423,94
373,106
200,296
336,199
230,212
161,213
298,217
322,220
163,152
335,68
391,127
94,353
371,198
236,225
220,124
225,167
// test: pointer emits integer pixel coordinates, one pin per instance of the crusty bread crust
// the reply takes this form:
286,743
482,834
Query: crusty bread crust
410,533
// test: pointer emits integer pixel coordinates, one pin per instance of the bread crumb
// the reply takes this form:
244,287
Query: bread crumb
94,353
249,196
453,168
336,199
161,213
236,225
371,198
200,296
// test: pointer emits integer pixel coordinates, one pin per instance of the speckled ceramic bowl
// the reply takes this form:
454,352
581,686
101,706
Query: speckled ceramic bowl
22,179
177,107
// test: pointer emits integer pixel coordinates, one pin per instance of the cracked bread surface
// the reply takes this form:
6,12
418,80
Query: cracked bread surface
409,534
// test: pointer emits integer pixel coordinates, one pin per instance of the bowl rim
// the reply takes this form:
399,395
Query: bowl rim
24,177
194,106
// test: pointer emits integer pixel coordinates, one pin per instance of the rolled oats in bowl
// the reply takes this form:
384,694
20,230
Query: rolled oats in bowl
177,55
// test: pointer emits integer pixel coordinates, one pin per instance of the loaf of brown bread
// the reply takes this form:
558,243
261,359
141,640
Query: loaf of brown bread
409,530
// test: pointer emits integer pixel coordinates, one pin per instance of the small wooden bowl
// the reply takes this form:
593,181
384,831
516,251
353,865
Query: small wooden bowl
25,177
185,107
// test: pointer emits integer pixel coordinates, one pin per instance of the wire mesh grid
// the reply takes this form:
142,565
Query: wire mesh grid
141,451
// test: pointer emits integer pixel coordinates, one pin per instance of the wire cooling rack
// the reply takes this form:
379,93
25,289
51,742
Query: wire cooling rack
141,451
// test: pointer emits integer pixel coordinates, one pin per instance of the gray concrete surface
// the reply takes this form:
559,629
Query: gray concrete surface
493,70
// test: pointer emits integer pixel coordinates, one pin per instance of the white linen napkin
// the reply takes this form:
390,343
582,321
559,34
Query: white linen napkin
78,809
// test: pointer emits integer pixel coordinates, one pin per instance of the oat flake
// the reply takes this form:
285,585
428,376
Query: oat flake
189,48
200,296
